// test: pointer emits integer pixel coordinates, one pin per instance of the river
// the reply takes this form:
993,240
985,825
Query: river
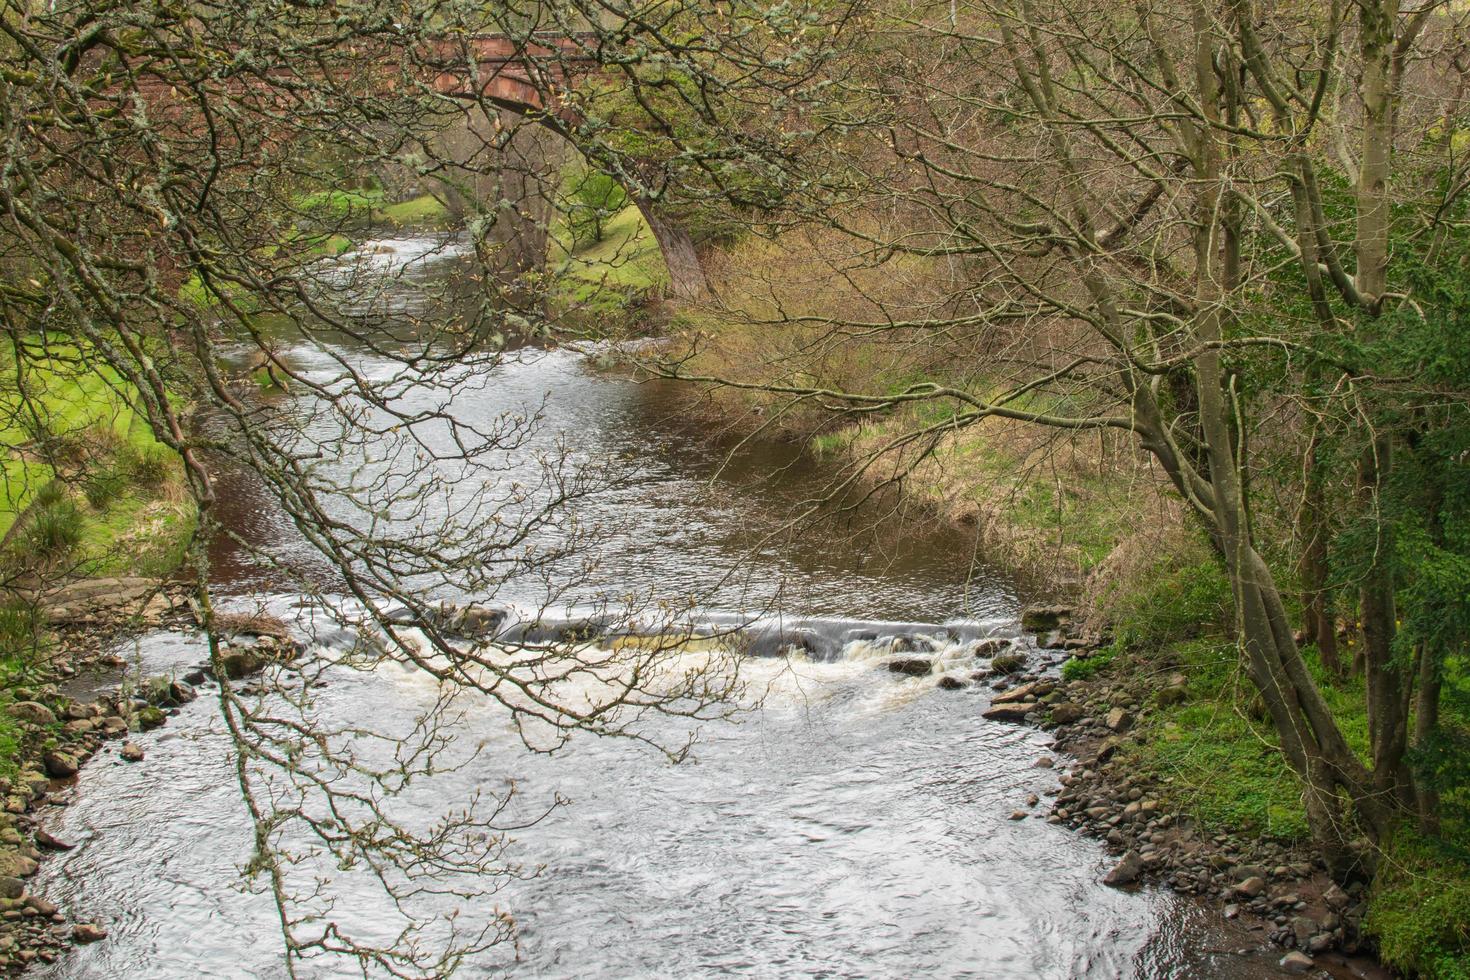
856,824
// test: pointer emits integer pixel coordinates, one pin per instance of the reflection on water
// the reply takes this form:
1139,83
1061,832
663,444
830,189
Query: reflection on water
855,825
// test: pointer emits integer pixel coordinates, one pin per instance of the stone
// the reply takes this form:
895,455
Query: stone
1320,943
32,712
1018,815
910,666
45,839
1010,712
14,864
1119,720
1008,663
42,906
1250,887
59,765
150,718
132,752
88,932
1066,713
239,662
1039,619
1335,897
1126,871
1297,962
11,887
1045,762
1023,692
950,682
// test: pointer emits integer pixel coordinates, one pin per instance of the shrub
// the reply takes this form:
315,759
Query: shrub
54,529
1183,602
1420,908
150,466
1081,669
103,487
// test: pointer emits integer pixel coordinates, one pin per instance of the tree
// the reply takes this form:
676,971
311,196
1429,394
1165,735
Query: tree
1193,224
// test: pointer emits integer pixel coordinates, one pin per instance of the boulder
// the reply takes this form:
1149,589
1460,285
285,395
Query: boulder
14,864
1067,713
1119,720
51,843
1251,887
1039,619
1008,663
11,887
949,682
1126,871
59,765
1025,692
150,718
240,662
42,906
167,692
990,647
33,713
910,666
131,752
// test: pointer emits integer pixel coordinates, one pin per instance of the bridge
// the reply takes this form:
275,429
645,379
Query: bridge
532,77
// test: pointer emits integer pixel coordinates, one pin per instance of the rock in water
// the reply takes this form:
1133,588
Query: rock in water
911,666
1007,663
1016,711
46,840
1127,870
1297,962
132,752
88,932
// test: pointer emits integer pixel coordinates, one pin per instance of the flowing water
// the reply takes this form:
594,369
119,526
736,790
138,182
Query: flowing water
856,824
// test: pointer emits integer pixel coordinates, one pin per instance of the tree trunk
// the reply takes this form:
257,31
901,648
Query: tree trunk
686,275
1384,680
1319,621
1426,725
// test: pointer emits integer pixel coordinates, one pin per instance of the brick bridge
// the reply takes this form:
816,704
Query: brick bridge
530,77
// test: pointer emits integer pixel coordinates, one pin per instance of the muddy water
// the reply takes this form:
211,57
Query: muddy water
856,825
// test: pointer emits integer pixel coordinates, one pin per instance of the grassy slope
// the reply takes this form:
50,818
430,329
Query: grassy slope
132,519
609,276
